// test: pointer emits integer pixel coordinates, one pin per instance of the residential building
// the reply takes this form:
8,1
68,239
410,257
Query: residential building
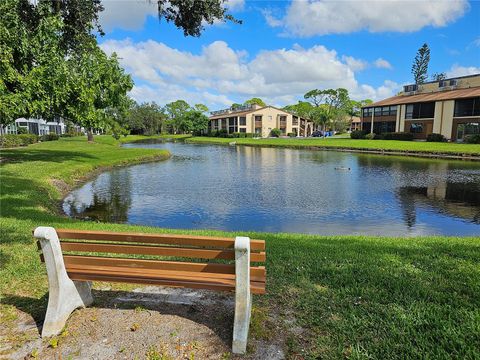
356,123
35,126
450,107
260,121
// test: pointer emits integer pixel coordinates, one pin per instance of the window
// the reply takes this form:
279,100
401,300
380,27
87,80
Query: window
416,128
294,120
22,124
367,112
378,111
420,111
379,127
393,110
385,110
243,120
467,129
410,88
258,117
243,130
232,121
467,107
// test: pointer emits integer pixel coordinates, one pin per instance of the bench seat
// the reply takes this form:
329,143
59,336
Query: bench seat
74,258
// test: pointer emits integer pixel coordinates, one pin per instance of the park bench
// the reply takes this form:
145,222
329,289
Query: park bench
74,258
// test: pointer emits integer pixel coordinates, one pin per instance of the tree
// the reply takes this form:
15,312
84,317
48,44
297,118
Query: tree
196,121
303,109
191,15
255,101
331,106
145,119
201,107
235,106
439,76
176,112
420,64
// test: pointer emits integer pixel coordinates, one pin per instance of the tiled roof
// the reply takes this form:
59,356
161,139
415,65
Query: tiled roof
433,96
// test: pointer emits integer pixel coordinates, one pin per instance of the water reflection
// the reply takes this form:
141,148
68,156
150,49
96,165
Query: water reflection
107,198
265,189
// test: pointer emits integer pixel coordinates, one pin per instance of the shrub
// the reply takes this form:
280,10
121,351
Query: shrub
275,132
436,138
292,135
12,140
50,137
242,135
249,135
472,139
403,136
22,130
222,133
357,134
28,139
370,136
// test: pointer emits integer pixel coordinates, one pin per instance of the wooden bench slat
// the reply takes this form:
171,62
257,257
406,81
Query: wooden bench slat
157,273
156,264
156,250
167,239
160,274
256,288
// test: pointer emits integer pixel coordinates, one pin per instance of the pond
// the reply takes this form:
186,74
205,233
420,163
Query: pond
243,188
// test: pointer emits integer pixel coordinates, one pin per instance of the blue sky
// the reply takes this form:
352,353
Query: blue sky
286,48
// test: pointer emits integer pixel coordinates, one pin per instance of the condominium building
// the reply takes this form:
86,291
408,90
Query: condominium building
35,126
450,107
260,121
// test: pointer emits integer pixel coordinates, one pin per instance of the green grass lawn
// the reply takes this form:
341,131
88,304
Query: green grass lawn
346,143
355,297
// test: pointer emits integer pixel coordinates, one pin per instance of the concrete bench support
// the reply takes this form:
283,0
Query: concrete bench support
64,295
243,298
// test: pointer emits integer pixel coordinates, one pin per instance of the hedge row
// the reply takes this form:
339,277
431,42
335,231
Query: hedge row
403,136
13,140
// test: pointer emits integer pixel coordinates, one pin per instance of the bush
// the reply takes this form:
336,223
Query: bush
242,135
28,139
357,134
402,136
12,140
49,137
472,139
275,132
370,136
222,133
249,135
436,138
21,130
292,135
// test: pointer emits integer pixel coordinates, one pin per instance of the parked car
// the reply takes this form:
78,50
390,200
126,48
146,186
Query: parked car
317,133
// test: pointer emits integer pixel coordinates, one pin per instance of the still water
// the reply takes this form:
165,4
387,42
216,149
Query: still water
286,190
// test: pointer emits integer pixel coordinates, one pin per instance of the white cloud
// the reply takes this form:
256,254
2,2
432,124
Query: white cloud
355,64
235,5
126,14
457,70
321,17
219,75
476,42
382,64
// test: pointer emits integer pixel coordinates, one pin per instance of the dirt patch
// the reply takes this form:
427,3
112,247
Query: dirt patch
149,323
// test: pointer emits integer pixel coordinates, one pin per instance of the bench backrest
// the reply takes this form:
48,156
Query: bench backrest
187,257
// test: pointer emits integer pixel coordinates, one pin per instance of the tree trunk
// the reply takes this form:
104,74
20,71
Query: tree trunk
89,136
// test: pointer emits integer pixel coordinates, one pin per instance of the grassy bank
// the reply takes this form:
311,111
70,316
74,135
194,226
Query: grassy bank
406,147
350,296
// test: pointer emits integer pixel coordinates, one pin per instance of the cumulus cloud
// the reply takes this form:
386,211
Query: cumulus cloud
321,17
219,75
382,64
457,70
126,14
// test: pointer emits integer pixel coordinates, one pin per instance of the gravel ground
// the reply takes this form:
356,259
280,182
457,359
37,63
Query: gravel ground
147,323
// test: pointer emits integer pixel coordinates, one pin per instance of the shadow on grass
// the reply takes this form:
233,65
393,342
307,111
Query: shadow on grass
21,155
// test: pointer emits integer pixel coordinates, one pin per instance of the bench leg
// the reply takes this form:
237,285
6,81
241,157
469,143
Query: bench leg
243,298
64,295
